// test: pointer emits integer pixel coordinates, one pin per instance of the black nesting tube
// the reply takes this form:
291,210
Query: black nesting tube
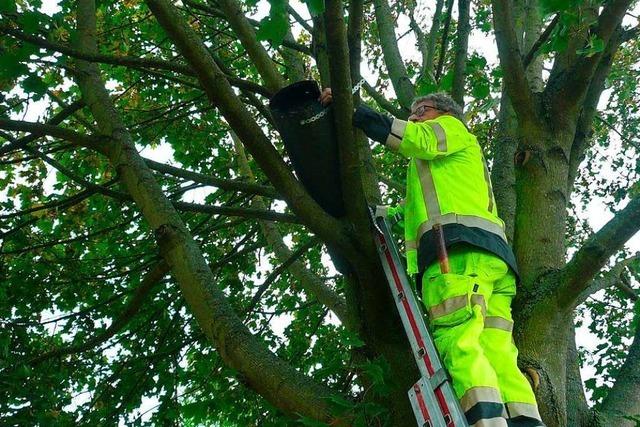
312,148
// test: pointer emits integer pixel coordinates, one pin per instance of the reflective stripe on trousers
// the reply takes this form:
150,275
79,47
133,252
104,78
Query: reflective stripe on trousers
526,412
470,317
451,305
483,407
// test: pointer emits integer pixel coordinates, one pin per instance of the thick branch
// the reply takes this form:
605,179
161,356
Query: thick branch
589,108
595,253
129,61
300,19
354,37
80,238
444,41
395,65
462,45
625,286
320,49
427,66
56,204
577,407
241,212
311,283
630,34
241,121
541,40
75,177
279,383
420,36
350,170
55,120
38,129
611,278
293,61
247,36
515,80
574,83
224,184
624,398
256,24
384,103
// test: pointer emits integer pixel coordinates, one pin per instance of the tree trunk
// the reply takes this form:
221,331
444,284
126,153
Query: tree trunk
542,342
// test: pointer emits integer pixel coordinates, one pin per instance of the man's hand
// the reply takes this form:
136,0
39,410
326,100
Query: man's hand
326,96
375,125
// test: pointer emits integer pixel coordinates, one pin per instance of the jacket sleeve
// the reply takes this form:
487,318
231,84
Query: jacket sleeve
429,139
394,213
375,125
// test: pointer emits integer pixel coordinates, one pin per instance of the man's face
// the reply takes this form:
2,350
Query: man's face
424,111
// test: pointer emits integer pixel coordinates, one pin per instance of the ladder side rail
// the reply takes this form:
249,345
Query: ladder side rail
423,348
408,306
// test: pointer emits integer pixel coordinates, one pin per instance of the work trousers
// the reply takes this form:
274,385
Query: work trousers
470,318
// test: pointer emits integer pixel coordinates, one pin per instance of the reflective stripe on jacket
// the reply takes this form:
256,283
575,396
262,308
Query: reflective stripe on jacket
447,183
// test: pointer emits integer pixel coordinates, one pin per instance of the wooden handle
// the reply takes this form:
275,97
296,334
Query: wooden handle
441,248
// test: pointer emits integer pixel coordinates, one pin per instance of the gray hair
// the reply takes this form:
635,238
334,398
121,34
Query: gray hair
442,102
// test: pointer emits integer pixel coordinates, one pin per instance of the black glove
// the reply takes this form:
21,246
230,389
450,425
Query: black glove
377,126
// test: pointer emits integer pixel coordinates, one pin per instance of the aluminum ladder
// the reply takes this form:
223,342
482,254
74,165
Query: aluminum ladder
432,397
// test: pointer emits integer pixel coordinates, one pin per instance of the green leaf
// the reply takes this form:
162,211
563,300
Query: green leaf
425,85
8,6
11,66
476,62
374,372
352,340
198,410
446,82
5,340
274,28
559,43
553,6
316,7
34,84
30,22
309,422
595,45
340,405
481,90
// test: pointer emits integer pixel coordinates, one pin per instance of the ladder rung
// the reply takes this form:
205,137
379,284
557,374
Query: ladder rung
438,378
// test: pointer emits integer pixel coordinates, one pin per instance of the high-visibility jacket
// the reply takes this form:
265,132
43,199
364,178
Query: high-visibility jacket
448,184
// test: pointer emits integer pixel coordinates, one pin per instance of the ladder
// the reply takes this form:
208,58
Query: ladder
432,397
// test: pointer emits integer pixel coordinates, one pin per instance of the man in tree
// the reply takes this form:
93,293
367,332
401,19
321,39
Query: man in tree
469,307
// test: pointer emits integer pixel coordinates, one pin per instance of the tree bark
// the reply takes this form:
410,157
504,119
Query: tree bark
578,411
623,399
462,44
395,65
245,32
308,281
240,120
283,386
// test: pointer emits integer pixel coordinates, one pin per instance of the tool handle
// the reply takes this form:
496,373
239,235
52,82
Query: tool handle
441,248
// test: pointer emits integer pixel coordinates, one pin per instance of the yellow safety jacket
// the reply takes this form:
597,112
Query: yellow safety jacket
448,184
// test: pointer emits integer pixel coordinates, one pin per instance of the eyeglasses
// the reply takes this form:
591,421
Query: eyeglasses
422,109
